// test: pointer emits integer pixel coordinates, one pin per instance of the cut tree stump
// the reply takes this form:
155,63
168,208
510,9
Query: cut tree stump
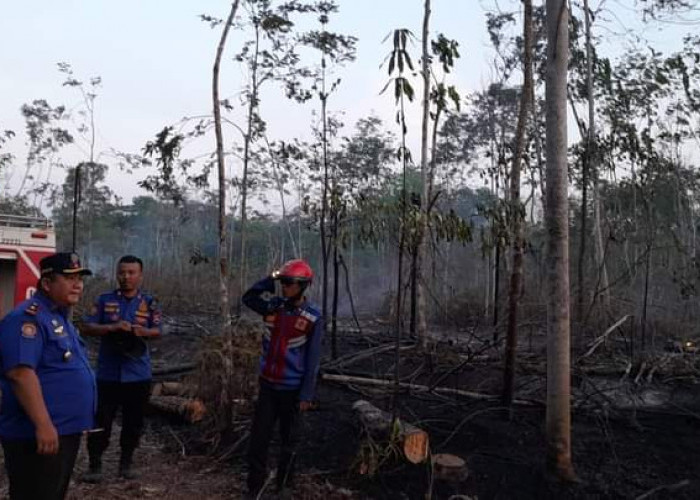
378,423
450,468
190,410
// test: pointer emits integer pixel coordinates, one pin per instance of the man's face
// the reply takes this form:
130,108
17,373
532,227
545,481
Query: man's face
64,289
290,289
129,276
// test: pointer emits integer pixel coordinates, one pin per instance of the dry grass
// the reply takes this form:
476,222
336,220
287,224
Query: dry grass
226,380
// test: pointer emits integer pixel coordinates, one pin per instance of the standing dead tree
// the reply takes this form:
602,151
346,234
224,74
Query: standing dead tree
221,168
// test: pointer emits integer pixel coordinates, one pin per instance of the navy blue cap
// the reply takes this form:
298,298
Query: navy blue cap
63,263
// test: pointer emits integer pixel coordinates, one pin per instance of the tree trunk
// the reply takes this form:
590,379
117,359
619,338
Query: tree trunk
379,424
324,202
221,164
421,320
336,283
558,420
252,106
398,333
496,288
414,293
76,202
516,276
538,148
582,295
593,165
190,410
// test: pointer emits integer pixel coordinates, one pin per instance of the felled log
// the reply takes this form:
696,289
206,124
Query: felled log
378,423
169,389
190,410
175,369
450,468
330,377
367,353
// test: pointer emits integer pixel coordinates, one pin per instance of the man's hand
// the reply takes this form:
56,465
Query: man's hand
122,327
46,439
139,331
305,405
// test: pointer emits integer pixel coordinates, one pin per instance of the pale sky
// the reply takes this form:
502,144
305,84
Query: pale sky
155,58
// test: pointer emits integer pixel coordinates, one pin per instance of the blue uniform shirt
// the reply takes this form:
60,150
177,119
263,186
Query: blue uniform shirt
39,335
112,307
291,348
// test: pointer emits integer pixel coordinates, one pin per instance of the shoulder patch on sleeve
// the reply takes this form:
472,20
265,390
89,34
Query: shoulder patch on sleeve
29,330
32,309
309,316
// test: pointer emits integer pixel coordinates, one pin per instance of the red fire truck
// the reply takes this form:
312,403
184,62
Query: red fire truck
24,241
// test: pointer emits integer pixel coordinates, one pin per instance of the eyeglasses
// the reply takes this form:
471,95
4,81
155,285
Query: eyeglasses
289,281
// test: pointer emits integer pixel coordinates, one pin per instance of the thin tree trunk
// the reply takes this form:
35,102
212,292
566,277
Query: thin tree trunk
645,304
558,419
324,202
283,205
581,296
76,202
593,164
252,106
538,148
399,275
223,264
414,292
516,276
336,284
496,289
421,319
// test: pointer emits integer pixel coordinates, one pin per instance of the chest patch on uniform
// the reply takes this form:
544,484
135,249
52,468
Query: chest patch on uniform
28,330
301,324
58,328
111,307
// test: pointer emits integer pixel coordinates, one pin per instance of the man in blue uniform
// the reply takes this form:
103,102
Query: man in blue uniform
291,352
122,319
48,387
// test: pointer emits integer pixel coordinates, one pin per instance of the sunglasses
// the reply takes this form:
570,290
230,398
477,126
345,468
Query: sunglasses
289,281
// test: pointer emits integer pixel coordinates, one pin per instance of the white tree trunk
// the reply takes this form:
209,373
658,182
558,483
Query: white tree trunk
558,420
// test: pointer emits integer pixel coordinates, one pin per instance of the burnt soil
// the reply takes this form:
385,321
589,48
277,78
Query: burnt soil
617,453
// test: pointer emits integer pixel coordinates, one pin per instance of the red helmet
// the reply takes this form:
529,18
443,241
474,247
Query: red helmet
297,269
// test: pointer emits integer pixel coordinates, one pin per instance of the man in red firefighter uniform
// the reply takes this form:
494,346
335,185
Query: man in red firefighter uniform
291,351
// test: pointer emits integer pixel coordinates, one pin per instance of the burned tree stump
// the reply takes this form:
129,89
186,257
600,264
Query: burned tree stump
449,468
190,410
378,423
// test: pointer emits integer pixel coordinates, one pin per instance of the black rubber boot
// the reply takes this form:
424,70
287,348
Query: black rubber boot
126,469
94,474
285,472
